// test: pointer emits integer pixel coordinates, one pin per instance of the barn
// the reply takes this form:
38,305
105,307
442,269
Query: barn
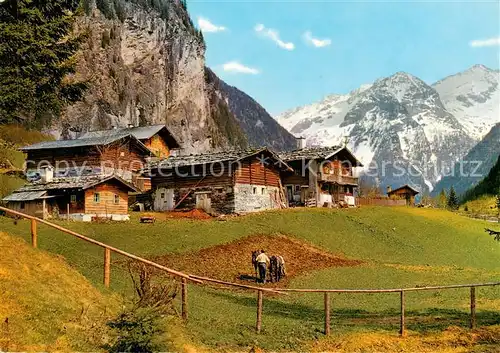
405,192
237,181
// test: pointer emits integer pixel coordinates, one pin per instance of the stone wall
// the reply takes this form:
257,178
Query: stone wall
251,198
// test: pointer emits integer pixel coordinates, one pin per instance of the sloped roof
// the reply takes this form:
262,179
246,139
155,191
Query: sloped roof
215,157
406,186
25,196
81,182
139,132
82,142
317,153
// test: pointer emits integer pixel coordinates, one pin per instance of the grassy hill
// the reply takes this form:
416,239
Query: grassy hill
398,247
46,305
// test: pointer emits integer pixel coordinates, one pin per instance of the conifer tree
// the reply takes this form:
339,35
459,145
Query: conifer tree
442,199
37,51
453,202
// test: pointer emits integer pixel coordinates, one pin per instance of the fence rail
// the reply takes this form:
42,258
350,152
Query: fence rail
199,280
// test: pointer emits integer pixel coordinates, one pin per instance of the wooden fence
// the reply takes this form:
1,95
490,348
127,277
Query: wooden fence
199,280
368,201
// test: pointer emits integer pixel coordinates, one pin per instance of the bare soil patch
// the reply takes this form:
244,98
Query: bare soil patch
183,214
232,261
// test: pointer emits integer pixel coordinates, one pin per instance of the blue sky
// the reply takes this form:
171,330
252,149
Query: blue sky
266,48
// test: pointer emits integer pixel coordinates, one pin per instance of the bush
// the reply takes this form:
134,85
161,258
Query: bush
139,330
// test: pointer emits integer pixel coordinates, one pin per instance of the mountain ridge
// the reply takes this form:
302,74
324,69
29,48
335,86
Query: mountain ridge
398,119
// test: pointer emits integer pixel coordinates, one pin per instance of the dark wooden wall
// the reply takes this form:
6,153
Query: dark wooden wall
218,181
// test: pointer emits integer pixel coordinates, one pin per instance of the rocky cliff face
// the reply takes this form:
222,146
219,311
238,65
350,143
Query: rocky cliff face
146,65
260,127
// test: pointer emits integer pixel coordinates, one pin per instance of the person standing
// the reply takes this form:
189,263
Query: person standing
262,263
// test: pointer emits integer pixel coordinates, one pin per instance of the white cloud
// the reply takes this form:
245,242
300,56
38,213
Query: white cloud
206,26
490,42
274,36
236,67
318,43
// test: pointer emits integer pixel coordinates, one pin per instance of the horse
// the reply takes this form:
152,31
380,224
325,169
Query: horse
254,262
277,268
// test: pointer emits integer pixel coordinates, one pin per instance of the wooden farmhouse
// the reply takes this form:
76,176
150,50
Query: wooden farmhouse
404,192
123,152
225,182
322,176
157,138
82,198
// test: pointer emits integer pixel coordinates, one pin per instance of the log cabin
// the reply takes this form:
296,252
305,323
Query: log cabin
83,198
226,182
157,138
322,176
123,155
405,192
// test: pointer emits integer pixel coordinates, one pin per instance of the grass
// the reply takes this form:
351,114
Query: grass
483,206
401,247
46,305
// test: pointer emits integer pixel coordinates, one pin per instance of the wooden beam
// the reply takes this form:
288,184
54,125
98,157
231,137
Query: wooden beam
402,319
472,307
327,313
107,266
184,302
258,326
34,234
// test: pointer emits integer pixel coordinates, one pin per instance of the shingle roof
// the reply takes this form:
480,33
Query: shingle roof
82,142
208,158
139,132
403,187
25,196
310,153
81,182
321,153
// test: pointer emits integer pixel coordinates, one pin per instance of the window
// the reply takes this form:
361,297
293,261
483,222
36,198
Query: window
117,199
254,190
97,197
297,189
73,198
162,195
263,191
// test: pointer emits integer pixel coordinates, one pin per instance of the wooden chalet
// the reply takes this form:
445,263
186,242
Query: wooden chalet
405,192
157,138
123,155
322,176
82,198
224,182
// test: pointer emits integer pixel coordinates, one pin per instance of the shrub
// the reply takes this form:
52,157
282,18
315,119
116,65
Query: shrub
139,330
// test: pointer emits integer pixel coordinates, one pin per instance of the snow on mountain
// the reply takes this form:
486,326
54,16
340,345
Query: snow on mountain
473,97
398,127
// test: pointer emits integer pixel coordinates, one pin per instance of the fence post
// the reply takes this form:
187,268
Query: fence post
402,323
259,311
184,304
34,235
327,313
67,212
472,307
107,266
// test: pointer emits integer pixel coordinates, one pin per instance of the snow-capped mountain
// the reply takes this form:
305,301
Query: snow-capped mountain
473,97
400,127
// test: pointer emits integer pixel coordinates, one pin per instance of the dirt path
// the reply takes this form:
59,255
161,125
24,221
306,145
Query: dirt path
232,262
